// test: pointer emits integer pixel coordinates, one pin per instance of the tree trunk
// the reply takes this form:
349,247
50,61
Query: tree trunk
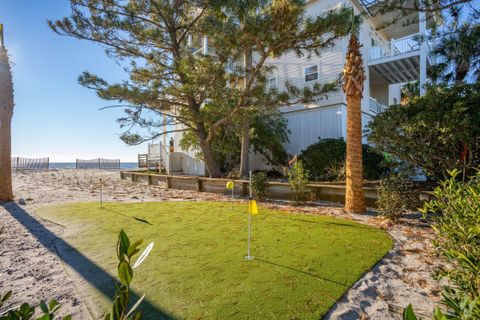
6,111
210,163
245,150
354,196
354,74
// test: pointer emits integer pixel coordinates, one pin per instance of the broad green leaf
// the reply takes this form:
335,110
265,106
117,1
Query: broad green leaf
125,273
408,313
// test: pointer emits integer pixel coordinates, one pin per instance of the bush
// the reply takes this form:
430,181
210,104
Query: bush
327,154
396,196
298,180
259,185
456,221
437,132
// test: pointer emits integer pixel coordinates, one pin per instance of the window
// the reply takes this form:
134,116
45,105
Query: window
272,83
311,73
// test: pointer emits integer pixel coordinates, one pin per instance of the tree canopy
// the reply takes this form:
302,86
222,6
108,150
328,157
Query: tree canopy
169,75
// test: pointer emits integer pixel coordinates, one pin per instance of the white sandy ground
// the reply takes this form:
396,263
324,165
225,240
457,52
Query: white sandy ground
34,271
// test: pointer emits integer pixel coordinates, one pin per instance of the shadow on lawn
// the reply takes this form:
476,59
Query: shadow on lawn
124,215
87,269
300,271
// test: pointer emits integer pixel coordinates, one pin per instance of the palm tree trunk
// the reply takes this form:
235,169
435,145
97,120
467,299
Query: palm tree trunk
353,87
6,112
354,195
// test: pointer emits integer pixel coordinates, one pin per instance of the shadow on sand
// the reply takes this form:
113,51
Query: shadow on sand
95,275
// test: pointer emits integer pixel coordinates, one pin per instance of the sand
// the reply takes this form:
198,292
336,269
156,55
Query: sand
31,267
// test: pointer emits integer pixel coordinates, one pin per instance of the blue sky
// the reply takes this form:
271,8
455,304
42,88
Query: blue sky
54,116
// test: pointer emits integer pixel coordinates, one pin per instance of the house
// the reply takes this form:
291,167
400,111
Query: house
392,57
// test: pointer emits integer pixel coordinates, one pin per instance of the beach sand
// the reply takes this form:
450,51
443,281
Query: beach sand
30,264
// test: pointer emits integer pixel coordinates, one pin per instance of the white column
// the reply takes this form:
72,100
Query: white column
422,26
205,45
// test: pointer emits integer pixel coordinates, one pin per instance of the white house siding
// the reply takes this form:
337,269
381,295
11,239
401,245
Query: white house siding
308,125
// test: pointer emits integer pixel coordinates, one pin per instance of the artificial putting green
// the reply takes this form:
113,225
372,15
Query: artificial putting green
197,270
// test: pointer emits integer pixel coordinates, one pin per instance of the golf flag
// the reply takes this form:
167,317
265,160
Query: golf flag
230,185
252,207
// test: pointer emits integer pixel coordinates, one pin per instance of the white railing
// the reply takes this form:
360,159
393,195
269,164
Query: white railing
394,48
164,158
375,106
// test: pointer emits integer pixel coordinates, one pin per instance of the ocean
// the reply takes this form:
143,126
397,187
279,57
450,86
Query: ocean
71,165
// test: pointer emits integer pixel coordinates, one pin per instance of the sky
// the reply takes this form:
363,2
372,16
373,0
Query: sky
54,115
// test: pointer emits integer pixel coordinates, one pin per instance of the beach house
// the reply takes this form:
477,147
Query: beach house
392,57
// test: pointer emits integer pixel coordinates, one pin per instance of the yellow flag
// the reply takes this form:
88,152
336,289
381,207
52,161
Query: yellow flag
230,185
252,207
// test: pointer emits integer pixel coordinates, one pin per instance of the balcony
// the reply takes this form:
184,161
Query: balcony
394,48
396,61
375,106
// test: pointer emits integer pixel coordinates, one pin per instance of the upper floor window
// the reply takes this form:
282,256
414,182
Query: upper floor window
272,83
311,73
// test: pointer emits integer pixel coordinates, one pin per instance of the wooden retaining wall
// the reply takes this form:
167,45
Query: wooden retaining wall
276,190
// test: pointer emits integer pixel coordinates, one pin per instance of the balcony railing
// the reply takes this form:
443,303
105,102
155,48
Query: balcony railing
394,48
375,106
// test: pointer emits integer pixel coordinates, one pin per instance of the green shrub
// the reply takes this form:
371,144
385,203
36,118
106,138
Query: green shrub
259,185
298,180
319,159
456,221
432,130
396,196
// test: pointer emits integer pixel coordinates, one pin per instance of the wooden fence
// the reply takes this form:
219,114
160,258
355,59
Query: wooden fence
19,163
276,190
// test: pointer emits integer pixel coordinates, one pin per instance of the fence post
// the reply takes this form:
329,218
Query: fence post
169,183
199,185
48,163
98,163
18,161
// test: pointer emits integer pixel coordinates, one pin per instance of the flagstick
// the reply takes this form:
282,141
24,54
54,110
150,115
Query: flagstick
101,193
231,207
249,257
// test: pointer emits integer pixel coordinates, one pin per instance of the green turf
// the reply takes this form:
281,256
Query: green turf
197,270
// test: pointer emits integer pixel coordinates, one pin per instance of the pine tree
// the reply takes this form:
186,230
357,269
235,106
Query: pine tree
171,75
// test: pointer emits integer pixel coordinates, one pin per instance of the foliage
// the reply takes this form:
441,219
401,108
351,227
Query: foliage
431,131
456,46
336,171
126,250
27,312
396,196
259,185
298,180
321,157
201,249
268,134
171,73
456,221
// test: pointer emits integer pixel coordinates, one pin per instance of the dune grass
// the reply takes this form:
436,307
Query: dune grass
197,270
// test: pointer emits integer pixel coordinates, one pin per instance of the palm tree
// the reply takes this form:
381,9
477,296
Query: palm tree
6,112
458,50
354,77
